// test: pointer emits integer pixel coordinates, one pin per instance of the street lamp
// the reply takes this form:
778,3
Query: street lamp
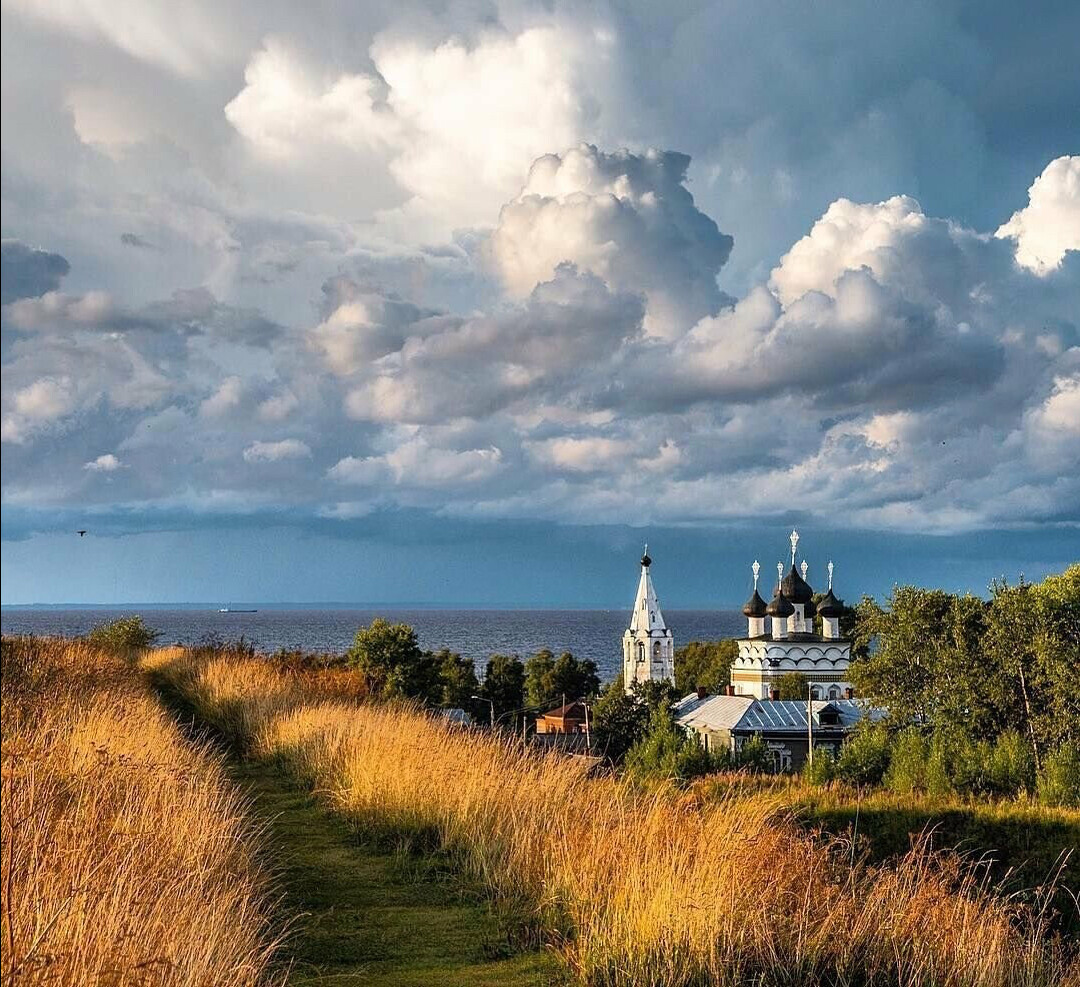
484,699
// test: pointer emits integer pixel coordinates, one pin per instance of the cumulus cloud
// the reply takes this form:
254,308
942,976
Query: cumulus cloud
459,122
274,452
1050,223
107,463
627,218
894,368
416,462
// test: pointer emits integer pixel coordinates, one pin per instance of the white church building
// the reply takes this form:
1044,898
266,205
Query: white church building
781,637
648,645
790,642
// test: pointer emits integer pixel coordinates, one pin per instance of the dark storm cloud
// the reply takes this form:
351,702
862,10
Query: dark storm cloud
28,272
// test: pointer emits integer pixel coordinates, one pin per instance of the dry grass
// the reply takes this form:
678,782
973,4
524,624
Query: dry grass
630,888
127,856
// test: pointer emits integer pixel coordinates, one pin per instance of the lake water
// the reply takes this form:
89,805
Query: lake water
594,634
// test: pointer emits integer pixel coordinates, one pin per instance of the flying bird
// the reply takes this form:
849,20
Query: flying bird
81,532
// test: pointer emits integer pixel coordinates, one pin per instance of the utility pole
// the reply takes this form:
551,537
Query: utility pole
810,722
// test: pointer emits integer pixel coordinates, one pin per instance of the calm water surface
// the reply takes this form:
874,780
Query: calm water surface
477,634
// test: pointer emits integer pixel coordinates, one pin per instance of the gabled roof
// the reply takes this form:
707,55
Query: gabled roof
646,615
571,711
779,715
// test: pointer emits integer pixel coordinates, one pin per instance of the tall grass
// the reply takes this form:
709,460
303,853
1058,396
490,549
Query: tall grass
127,856
629,887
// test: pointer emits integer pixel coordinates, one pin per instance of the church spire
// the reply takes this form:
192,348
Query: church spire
648,645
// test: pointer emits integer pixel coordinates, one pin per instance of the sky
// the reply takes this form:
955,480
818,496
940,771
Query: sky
463,302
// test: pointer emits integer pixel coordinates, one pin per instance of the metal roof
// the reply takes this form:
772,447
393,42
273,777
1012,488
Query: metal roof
747,713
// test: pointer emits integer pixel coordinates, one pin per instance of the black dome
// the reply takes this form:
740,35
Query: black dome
646,561
830,606
780,606
755,606
795,588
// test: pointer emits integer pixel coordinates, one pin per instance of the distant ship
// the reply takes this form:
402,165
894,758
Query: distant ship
233,610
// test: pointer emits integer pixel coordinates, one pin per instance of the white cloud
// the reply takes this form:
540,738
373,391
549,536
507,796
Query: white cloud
274,452
107,463
625,217
287,109
227,397
457,123
419,464
1050,223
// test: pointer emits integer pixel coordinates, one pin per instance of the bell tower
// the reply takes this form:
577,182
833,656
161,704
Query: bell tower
648,645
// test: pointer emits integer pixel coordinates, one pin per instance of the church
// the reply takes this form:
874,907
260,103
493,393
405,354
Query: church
792,642
790,633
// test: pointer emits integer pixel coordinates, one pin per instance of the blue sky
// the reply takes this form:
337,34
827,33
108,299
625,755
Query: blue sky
460,302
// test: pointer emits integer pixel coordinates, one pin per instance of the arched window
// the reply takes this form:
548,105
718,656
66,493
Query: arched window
656,649
834,692
641,651
815,692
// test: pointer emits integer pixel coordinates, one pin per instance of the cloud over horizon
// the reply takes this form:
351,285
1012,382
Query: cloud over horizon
473,266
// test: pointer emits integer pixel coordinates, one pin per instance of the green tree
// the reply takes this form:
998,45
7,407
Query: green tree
504,683
124,636
620,721
792,685
455,679
864,758
704,663
754,755
822,769
666,751
391,660
1059,779
549,679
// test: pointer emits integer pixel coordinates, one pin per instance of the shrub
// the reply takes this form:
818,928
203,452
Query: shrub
754,755
907,762
1011,768
864,759
822,769
123,636
939,765
1059,780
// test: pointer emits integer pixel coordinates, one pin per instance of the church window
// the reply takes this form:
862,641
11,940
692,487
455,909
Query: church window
834,692
815,692
641,651
656,649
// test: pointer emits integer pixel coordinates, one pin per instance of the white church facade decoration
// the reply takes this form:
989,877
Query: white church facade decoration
648,645
791,643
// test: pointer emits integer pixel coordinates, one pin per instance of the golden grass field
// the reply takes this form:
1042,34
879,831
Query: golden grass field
628,887
127,856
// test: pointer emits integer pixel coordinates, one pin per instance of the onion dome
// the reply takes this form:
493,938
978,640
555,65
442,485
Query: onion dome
780,606
645,560
755,606
830,606
795,588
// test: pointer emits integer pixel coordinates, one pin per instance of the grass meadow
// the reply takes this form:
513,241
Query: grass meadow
626,886
128,858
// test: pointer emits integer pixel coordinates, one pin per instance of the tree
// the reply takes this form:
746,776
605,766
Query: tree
705,663
793,685
391,661
620,721
864,758
504,683
548,680
666,751
124,636
455,680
